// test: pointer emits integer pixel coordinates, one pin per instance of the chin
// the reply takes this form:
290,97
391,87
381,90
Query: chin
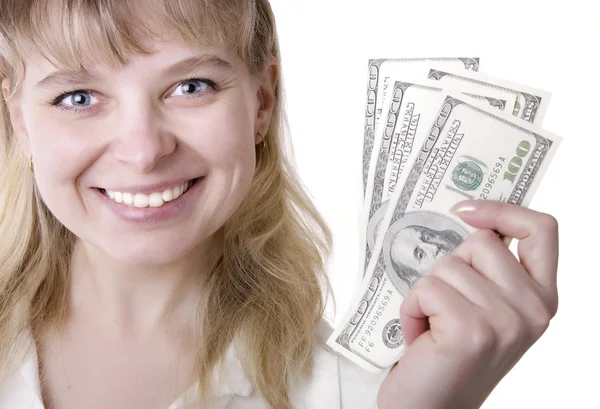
151,252
150,257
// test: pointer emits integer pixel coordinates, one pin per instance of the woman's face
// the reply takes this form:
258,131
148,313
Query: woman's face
158,122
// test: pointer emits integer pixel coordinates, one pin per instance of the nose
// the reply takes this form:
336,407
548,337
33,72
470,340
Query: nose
432,249
142,139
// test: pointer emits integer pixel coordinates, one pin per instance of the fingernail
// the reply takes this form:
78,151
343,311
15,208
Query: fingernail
463,207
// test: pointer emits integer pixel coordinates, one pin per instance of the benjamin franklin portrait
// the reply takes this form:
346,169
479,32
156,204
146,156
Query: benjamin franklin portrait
415,242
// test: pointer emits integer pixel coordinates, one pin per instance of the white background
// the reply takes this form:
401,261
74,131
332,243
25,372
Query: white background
545,44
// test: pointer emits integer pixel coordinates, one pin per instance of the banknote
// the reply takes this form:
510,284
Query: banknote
531,103
471,152
411,109
379,73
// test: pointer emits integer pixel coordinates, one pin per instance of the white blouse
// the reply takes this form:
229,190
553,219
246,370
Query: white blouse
337,383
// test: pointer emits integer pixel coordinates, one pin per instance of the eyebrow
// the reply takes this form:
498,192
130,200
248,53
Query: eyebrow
65,78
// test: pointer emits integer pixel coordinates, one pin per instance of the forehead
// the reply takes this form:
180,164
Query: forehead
406,235
168,58
114,35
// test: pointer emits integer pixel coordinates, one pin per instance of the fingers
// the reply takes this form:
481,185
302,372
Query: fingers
482,278
432,301
513,312
537,234
468,282
486,253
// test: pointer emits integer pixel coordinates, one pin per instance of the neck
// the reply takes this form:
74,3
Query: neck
128,300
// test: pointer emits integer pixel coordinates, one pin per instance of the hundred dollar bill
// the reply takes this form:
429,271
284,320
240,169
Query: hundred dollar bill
470,152
380,71
531,103
411,109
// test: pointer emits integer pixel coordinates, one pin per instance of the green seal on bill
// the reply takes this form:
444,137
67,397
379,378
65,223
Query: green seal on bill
467,175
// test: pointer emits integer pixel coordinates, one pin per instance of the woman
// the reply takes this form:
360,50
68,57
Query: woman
158,249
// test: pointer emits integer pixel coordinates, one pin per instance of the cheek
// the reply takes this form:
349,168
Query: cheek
61,147
225,141
230,151
61,153
232,164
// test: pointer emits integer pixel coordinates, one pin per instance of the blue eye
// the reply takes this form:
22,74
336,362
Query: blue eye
74,98
190,87
193,84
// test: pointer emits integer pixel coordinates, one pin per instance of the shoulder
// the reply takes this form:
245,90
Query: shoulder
336,381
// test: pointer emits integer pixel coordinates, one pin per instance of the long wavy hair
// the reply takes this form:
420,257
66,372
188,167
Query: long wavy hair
267,286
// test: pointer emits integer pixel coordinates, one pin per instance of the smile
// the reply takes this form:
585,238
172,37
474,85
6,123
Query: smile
155,199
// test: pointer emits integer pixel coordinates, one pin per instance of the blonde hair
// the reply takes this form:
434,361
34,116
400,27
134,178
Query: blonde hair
266,288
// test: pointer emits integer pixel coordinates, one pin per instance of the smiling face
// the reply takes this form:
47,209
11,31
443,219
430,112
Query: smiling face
156,120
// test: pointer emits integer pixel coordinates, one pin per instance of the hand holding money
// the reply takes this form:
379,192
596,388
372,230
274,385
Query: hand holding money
479,310
443,305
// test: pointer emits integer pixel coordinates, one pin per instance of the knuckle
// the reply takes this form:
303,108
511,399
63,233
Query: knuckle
425,284
485,237
445,264
549,223
537,315
474,337
511,326
480,239
483,337
553,303
541,314
419,284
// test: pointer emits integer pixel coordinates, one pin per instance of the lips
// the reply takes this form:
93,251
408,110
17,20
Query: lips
142,209
152,199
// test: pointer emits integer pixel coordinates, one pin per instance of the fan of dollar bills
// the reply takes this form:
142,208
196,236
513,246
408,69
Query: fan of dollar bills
436,132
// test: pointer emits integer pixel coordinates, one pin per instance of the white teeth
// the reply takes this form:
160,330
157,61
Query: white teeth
156,199
167,195
127,198
140,200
